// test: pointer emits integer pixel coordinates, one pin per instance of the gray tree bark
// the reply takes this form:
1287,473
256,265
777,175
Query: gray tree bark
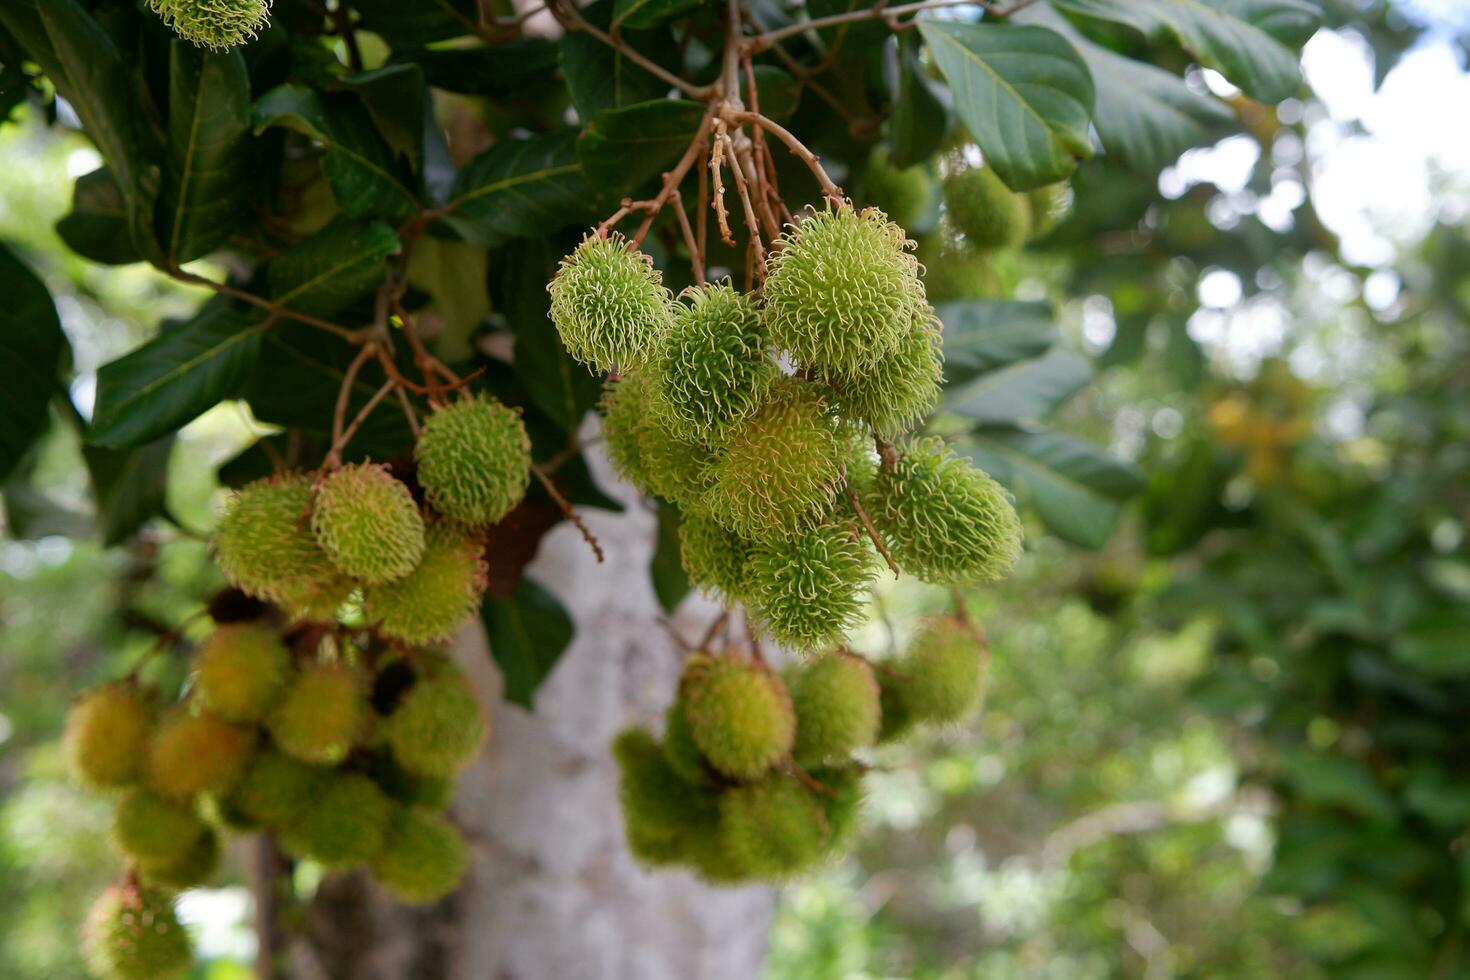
553,893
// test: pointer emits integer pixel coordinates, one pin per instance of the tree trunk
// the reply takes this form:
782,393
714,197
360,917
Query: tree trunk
553,893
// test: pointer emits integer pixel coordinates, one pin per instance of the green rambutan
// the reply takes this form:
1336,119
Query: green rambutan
1048,206
214,24
837,709
368,524
943,672
714,557
902,193
773,828
842,290
658,806
609,304
712,370
197,753
739,714
344,826
679,749
625,412
988,213
904,387
132,933
474,460
188,870
781,468
423,858
842,804
106,735
265,547
704,850
954,271
808,590
897,721
323,714
944,519
240,670
439,725
147,827
276,789
645,451
438,596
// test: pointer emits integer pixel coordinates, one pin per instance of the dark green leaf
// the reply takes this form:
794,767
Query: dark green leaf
419,21
982,335
649,13
528,633
207,182
519,188
129,486
500,70
32,348
365,178
1024,94
625,147
31,515
1023,391
1075,487
919,123
1334,780
601,77
174,377
332,269
1437,644
394,98
1251,42
97,227
778,91
670,581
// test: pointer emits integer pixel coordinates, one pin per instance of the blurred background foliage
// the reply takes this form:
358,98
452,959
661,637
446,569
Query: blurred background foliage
1228,743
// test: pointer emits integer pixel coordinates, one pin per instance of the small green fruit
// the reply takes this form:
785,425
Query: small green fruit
437,597
902,193
423,857
132,933
773,828
189,870
106,735
988,213
368,524
897,720
713,368
609,304
438,726
943,672
714,557
240,670
265,547
739,714
323,714
625,412
345,826
1048,206
902,390
197,753
954,271
837,709
276,789
645,451
679,749
943,519
658,806
782,467
809,590
843,804
147,827
214,24
842,290
474,460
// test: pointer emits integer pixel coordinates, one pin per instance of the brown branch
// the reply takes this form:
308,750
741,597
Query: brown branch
568,512
696,256
714,628
568,16
408,412
275,310
673,177
716,155
344,396
806,780
342,18
751,222
796,146
873,534
360,418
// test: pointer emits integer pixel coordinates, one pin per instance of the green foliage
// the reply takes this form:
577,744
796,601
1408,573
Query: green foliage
240,670
474,460
739,714
609,304
440,595
368,524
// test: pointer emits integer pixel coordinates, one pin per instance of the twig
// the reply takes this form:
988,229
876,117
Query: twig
806,780
716,155
342,17
274,309
569,18
696,257
164,640
360,418
673,177
714,628
751,222
796,146
568,512
344,396
873,534
408,412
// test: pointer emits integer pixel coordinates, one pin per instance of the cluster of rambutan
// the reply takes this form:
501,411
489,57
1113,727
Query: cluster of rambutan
755,777
348,766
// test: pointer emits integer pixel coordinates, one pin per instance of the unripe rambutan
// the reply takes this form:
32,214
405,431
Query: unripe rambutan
323,714
214,24
988,213
132,933
609,304
474,460
439,725
276,789
808,590
712,369
344,827
677,469
188,870
265,547
197,753
714,557
943,672
902,389
953,271
147,827
901,193
781,469
658,806
625,412
106,735
842,289
1048,206
368,524
423,857
679,749
773,828
703,847
843,805
240,670
644,450
897,720
739,714
837,712
944,519
438,596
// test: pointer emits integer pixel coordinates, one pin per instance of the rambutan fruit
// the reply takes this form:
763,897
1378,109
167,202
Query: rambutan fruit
739,714
188,870
837,708
903,193
132,933
658,806
988,213
323,714
773,828
943,671
474,460
345,825
276,789
609,304
240,670
714,557
214,24
439,726
147,827
440,595
712,369
808,590
106,735
368,524
197,753
902,389
423,857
